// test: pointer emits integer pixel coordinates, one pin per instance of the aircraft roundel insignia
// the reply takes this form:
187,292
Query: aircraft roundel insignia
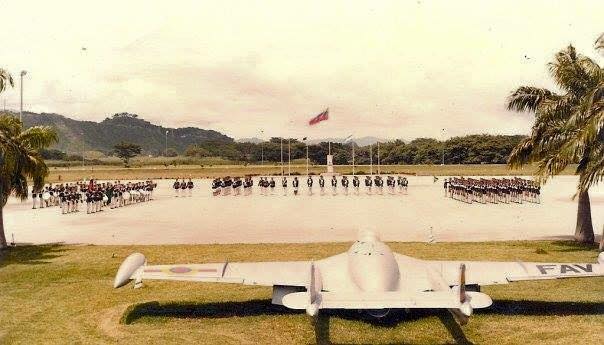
180,269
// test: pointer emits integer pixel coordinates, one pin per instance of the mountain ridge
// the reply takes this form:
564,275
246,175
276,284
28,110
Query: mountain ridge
84,135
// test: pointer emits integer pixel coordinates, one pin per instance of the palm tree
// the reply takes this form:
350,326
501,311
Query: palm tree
21,161
568,128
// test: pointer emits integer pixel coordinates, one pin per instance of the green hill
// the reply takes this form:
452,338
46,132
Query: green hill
78,136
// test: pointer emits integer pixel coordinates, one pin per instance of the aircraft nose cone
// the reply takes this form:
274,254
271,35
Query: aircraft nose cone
372,267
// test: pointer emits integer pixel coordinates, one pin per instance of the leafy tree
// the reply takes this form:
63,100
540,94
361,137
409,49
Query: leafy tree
20,160
196,151
171,153
53,154
126,150
568,128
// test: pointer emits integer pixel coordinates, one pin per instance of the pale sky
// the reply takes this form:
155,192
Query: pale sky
401,69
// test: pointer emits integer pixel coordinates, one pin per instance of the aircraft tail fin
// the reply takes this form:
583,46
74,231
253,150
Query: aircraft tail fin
314,288
468,300
462,283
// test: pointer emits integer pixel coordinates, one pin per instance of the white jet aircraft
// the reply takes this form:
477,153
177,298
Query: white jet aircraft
368,277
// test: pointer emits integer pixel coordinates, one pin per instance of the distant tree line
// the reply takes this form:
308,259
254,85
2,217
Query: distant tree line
470,149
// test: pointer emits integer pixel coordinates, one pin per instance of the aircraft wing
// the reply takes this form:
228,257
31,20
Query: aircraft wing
490,273
384,300
292,273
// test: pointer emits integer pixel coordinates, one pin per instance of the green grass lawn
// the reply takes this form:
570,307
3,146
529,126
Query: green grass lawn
57,294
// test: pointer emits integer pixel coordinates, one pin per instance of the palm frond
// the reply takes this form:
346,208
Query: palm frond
592,172
21,159
528,98
569,71
38,137
10,125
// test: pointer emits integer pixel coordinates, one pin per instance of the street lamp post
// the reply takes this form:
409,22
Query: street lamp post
166,150
23,73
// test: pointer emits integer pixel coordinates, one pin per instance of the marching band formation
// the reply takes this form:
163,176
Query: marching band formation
492,190
267,185
69,196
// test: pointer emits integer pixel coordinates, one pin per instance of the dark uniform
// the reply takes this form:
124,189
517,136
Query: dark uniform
356,184
345,184
322,184
368,185
176,187
190,187
334,185
295,184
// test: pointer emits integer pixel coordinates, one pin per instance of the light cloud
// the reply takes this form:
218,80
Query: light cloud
399,69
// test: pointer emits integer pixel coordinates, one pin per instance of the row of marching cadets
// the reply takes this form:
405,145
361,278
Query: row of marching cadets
183,188
267,185
69,196
398,185
232,185
492,190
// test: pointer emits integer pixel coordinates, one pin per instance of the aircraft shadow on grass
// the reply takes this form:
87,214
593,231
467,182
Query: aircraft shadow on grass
569,244
25,254
509,308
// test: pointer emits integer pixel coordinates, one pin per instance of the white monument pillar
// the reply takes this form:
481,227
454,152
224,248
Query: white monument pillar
329,164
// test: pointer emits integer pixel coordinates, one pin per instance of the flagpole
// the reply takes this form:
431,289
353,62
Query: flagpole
306,157
262,147
352,143
371,159
378,158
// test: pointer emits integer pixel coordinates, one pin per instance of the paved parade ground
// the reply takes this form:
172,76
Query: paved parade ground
204,218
